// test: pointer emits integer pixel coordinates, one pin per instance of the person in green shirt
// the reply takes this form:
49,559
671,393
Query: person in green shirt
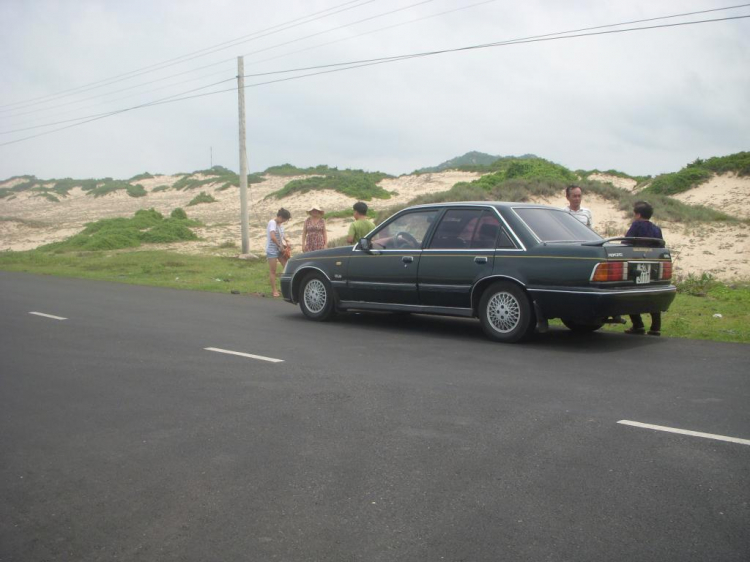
361,225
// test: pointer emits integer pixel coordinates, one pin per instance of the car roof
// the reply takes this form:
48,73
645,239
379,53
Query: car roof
497,204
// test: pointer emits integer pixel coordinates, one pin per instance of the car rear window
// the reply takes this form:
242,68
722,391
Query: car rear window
555,225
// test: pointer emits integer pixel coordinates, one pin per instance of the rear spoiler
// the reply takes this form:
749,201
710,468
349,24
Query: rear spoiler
630,241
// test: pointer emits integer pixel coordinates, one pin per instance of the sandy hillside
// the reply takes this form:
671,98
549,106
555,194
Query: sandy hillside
28,221
617,181
727,193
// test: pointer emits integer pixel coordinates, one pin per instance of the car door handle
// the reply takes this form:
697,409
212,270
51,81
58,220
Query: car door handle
407,259
480,260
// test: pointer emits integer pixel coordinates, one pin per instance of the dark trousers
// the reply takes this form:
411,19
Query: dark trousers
655,321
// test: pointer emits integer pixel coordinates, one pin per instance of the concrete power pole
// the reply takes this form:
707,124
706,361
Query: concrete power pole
243,156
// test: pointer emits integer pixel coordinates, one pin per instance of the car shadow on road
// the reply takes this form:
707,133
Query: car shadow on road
468,330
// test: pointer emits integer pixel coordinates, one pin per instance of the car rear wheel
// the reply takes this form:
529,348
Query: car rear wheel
506,313
582,327
316,297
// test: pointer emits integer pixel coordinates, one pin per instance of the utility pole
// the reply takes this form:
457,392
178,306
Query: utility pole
243,156
212,156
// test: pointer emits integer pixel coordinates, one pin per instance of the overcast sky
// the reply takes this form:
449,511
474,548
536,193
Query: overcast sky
642,102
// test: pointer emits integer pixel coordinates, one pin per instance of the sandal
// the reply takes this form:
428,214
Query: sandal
635,331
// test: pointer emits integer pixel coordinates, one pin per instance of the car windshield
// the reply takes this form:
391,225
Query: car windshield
555,225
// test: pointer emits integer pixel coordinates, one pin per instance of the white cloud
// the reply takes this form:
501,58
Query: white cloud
643,102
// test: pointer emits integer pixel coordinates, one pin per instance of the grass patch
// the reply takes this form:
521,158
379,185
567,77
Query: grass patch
353,183
155,268
202,197
143,176
162,187
706,309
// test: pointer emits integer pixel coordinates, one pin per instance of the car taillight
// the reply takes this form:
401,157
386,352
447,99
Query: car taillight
665,270
610,271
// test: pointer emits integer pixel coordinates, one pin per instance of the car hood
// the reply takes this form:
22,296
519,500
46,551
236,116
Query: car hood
327,253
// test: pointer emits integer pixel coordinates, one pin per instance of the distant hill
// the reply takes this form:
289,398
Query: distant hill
470,160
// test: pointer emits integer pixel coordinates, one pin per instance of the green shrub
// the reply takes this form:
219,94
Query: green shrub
698,172
170,230
353,183
159,188
289,170
146,226
179,214
143,176
202,197
697,286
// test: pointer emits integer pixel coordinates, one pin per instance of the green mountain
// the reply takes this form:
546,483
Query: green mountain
471,161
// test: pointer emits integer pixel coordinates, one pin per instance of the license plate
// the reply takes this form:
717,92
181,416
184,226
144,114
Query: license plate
643,273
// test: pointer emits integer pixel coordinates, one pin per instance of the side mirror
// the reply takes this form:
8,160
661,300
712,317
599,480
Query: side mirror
364,243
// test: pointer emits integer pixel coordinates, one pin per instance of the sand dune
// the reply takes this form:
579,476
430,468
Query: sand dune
28,221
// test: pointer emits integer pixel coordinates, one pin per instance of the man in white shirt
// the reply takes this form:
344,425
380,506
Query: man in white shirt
574,195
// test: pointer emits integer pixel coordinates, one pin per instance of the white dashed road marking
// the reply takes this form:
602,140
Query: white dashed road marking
48,315
249,355
686,432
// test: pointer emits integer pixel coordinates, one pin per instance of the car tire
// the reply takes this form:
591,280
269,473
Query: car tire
316,298
506,313
582,327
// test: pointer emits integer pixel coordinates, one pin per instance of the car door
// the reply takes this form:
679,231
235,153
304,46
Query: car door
388,273
460,252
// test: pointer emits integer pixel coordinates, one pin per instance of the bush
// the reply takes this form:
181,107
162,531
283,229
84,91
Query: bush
146,226
170,230
179,214
202,197
697,286
357,184
143,176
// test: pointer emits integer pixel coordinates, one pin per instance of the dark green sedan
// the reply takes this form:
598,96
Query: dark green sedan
512,265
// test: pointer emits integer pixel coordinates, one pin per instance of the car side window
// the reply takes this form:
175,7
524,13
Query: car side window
456,229
407,232
486,233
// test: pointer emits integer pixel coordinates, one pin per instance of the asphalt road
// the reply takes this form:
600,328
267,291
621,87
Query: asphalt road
378,438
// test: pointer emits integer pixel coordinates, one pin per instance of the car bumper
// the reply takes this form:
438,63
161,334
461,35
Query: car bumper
286,287
602,303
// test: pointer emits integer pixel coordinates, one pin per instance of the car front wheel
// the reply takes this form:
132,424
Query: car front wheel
505,313
316,297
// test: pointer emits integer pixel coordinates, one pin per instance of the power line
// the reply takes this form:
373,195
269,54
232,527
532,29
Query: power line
356,64
223,61
214,73
189,56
